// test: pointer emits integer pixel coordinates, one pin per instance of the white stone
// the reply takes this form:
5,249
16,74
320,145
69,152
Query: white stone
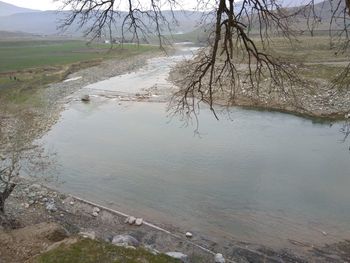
131,220
85,98
95,214
178,255
88,234
96,210
189,234
71,203
219,258
139,221
72,79
125,241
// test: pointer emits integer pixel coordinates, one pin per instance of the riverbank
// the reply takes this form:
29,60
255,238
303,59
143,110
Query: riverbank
319,100
34,204
312,93
36,106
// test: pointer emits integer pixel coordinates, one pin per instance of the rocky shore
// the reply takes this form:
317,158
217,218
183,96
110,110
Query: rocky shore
317,99
33,205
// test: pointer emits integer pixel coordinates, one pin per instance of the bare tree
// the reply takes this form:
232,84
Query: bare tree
139,22
9,175
234,59
20,160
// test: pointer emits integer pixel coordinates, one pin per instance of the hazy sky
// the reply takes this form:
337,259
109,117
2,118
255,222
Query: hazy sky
34,4
51,5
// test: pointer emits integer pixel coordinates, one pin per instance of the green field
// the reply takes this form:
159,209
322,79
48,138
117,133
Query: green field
27,66
22,55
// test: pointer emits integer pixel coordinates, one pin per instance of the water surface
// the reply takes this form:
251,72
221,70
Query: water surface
257,176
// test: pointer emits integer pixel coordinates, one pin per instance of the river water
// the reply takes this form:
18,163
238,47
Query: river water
261,177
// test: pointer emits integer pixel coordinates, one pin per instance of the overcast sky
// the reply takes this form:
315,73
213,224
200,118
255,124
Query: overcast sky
34,4
51,5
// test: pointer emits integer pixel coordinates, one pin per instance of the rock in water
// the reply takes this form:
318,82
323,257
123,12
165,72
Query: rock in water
139,221
219,258
178,255
125,241
85,98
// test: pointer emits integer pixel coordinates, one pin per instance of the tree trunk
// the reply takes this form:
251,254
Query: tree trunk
347,2
4,195
2,203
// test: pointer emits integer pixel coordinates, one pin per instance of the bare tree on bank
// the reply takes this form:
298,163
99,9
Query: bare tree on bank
20,161
9,172
233,58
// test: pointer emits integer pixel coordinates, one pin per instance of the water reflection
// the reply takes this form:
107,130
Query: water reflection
345,130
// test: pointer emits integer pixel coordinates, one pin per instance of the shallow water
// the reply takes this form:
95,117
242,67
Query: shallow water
255,176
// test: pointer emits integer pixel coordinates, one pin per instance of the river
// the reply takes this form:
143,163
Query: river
261,177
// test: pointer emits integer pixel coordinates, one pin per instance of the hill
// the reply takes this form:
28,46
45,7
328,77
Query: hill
47,22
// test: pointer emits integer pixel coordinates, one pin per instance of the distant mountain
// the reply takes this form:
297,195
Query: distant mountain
324,11
8,9
44,22
47,22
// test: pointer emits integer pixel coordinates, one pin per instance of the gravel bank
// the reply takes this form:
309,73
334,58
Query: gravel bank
317,100
34,204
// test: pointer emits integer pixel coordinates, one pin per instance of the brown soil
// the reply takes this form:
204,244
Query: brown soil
19,245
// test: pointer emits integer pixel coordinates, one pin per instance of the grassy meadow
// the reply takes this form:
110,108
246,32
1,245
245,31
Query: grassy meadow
21,55
29,65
